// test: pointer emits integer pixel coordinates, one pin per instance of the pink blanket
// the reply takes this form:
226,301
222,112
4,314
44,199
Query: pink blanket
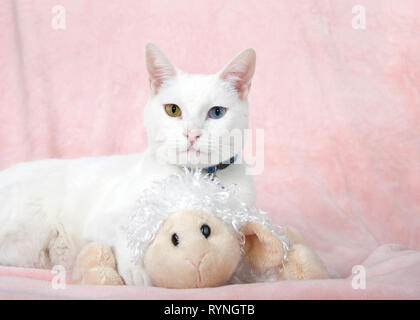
392,272
339,105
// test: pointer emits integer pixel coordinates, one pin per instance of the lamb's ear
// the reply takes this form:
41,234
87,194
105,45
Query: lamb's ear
240,71
263,250
159,66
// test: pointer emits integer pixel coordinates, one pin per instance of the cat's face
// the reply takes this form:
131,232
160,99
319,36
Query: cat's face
193,119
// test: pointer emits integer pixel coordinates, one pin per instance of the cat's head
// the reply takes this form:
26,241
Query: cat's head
196,119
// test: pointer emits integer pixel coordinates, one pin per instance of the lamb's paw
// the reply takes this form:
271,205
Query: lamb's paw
302,264
94,254
102,276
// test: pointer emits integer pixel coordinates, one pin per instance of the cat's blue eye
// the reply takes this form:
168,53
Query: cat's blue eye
216,112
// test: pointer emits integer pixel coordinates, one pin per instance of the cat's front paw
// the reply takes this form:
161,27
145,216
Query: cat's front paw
134,275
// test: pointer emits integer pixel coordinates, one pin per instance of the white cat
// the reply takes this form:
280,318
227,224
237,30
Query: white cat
50,208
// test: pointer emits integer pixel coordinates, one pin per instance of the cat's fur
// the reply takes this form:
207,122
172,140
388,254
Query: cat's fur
50,208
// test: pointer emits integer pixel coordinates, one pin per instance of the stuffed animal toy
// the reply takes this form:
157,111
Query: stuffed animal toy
189,231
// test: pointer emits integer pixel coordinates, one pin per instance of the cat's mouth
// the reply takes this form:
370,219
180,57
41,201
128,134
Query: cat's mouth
197,152
192,156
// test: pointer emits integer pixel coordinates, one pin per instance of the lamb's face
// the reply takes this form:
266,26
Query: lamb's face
192,249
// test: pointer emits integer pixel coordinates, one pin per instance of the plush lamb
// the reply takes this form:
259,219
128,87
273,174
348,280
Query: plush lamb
189,231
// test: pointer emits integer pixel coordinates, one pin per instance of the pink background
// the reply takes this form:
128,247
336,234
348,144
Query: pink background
340,107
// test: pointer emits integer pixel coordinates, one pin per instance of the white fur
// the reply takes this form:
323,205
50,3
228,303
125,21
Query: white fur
50,208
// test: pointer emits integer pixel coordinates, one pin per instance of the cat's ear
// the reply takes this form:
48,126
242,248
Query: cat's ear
240,71
159,66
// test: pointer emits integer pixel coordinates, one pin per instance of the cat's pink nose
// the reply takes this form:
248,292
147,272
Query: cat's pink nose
192,136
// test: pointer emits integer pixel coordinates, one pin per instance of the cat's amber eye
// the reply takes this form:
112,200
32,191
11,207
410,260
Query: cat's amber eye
173,110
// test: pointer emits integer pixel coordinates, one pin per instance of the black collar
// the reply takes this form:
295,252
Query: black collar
220,166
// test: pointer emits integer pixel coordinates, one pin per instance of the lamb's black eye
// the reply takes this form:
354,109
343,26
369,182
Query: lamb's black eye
205,230
175,239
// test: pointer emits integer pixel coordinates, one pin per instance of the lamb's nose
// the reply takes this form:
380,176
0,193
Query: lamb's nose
197,266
